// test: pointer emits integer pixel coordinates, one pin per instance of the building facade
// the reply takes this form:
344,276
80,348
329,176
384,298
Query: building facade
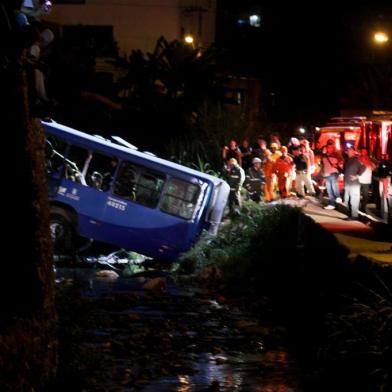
138,24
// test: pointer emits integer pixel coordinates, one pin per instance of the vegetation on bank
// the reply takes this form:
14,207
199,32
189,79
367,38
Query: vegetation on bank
339,313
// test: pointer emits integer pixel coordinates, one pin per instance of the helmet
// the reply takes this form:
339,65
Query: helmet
294,141
256,160
274,145
96,180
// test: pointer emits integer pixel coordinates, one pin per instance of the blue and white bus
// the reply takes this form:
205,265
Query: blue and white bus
111,192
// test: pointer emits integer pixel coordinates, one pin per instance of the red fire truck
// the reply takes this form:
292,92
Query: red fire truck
373,133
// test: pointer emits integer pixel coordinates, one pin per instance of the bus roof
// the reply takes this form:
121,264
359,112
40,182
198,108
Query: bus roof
121,151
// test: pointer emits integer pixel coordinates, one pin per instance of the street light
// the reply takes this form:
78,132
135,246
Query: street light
189,40
380,37
302,130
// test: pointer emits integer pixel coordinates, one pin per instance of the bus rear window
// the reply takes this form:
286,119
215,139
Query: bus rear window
139,184
180,198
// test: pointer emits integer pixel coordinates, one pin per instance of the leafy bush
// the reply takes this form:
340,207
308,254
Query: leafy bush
248,243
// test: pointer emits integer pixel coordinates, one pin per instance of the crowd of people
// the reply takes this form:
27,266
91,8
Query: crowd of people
263,172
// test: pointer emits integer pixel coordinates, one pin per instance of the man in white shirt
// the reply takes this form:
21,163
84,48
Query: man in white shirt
365,179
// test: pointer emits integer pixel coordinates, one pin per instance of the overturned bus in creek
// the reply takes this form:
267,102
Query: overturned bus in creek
109,191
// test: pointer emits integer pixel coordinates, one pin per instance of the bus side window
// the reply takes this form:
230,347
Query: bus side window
74,164
100,171
125,183
149,189
139,184
180,198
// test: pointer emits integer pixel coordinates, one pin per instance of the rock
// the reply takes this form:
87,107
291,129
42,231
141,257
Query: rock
157,286
210,273
220,359
108,274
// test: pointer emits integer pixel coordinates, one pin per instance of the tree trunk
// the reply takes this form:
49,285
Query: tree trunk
28,346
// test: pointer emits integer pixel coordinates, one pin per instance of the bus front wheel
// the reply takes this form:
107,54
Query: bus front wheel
62,234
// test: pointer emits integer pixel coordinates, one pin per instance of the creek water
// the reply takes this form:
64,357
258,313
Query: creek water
181,340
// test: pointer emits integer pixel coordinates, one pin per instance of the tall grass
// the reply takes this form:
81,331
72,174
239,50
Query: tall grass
210,130
358,340
194,161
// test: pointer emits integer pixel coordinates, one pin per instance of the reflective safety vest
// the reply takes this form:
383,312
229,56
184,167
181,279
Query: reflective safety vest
235,177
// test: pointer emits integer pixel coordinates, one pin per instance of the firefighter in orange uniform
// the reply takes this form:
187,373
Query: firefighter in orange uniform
284,171
269,174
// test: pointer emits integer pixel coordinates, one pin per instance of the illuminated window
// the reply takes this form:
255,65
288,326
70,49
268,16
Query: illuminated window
255,20
235,96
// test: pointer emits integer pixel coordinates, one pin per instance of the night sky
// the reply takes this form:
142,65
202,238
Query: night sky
306,54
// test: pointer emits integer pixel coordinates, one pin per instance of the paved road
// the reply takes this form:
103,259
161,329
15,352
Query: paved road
368,237
334,220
